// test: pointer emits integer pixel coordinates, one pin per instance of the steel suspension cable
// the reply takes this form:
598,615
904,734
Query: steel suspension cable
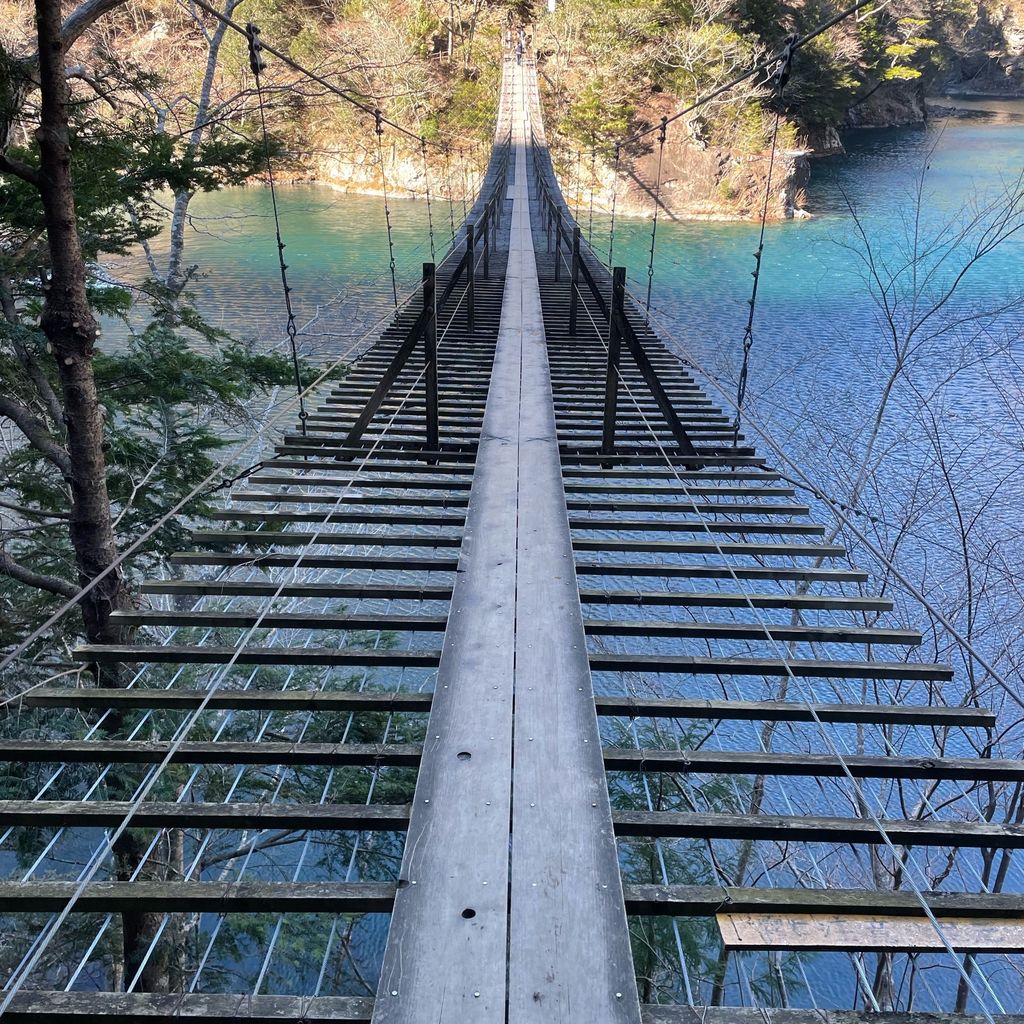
615,198
781,77
465,184
426,187
662,136
257,66
593,182
448,185
379,130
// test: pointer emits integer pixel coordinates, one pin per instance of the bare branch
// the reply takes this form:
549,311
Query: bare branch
36,433
23,574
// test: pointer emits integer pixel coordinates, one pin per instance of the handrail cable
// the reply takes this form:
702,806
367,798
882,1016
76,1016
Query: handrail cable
257,65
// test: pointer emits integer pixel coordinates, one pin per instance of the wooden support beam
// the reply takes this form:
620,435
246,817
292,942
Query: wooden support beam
611,392
430,353
388,379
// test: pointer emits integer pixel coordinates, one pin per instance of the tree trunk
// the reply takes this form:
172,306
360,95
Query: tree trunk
71,329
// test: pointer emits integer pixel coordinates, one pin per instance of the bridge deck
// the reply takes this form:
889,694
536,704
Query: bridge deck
408,699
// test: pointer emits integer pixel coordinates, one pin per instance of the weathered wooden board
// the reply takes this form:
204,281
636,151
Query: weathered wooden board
569,955
445,959
824,932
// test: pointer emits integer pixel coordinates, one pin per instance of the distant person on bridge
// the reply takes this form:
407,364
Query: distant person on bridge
519,52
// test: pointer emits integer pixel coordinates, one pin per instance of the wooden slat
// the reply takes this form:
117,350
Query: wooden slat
106,814
201,897
212,1008
693,526
832,932
712,548
303,562
101,698
708,900
756,1015
196,752
815,829
724,599
282,620
733,762
787,711
217,1008
105,654
801,667
674,570
340,591
294,538
752,631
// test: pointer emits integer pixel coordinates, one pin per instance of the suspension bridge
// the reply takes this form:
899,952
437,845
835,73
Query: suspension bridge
519,559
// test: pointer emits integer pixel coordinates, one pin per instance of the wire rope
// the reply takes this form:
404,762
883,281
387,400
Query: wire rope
662,136
781,76
379,131
426,187
257,66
